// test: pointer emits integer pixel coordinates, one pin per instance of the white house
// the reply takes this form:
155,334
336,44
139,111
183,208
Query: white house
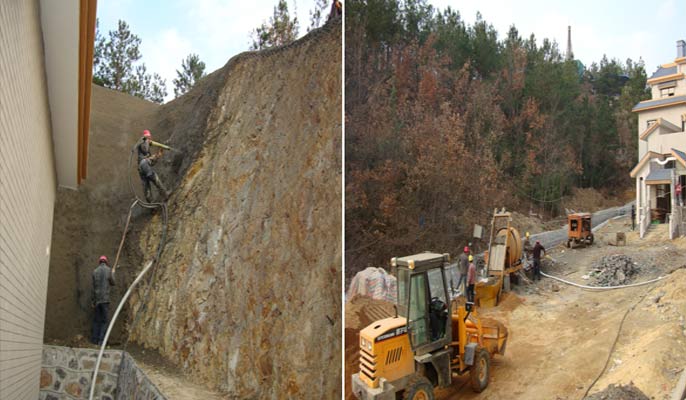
662,146
46,58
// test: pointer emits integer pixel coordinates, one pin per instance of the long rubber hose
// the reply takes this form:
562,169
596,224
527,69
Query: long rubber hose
151,264
109,328
601,288
614,343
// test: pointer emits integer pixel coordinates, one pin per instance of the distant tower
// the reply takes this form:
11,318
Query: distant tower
570,54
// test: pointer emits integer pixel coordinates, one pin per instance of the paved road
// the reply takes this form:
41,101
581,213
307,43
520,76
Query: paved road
551,239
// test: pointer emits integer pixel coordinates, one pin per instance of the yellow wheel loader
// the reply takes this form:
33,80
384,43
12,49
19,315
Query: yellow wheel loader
428,341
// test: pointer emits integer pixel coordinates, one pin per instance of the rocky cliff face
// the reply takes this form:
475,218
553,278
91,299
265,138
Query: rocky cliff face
246,297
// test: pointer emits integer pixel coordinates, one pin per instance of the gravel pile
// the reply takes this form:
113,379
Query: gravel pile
614,270
619,392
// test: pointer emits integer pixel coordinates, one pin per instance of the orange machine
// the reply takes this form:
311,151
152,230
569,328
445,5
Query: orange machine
579,229
428,341
503,259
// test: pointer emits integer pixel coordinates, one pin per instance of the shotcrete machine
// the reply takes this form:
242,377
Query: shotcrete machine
428,341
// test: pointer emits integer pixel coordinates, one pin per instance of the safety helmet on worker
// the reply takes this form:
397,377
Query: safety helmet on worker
471,258
147,134
527,234
466,249
103,259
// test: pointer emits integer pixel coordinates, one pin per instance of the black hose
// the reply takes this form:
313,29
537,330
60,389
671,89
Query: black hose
160,246
614,343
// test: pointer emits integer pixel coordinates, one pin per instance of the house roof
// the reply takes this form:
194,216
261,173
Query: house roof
644,160
661,124
662,71
669,101
659,176
680,155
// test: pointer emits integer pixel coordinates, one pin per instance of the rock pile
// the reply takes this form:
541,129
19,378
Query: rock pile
614,270
619,392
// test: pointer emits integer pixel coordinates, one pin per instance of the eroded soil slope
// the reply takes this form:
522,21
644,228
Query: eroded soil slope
246,298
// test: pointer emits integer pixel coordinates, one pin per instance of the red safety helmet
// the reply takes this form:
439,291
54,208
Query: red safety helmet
147,134
103,259
466,249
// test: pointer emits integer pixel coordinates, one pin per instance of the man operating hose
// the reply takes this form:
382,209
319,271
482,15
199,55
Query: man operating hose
145,162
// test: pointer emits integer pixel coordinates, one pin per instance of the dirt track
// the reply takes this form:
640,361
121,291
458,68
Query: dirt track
560,336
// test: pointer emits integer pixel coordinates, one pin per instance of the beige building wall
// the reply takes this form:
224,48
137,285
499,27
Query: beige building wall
656,142
27,194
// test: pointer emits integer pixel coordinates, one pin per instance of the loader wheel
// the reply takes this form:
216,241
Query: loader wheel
590,240
480,372
569,243
418,388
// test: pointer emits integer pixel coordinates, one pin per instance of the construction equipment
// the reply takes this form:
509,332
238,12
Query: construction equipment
579,229
164,146
503,259
428,340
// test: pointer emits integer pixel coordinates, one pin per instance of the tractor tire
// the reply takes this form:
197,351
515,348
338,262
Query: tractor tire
418,388
569,243
480,372
590,240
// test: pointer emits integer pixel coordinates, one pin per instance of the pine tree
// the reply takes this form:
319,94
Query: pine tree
192,69
115,65
280,30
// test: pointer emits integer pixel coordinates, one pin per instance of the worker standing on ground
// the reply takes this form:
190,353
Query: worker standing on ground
527,247
145,162
471,280
537,259
463,265
103,278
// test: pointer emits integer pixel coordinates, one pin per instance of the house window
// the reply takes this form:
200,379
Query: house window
650,122
667,92
670,165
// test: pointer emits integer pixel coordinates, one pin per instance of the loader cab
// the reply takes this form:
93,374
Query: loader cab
423,300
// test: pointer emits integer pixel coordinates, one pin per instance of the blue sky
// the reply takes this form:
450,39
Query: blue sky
216,30
621,29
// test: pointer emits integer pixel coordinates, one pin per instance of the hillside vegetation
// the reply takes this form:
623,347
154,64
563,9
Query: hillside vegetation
445,121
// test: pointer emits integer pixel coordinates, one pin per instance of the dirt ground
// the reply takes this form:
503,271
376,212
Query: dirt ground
167,377
561,336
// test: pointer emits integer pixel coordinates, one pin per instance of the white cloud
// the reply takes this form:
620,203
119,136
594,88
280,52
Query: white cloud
163,54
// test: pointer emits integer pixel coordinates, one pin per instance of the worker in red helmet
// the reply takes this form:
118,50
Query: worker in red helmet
103,278
336,10
145,162
463,266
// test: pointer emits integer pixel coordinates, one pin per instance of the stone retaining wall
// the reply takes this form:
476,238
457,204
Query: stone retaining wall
133,384
66,374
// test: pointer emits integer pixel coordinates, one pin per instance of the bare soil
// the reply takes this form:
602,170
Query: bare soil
561,336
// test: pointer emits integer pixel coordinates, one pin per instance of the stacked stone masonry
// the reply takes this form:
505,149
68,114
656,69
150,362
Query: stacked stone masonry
66,373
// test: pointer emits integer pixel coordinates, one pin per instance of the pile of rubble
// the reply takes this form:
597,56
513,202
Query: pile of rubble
619,392
614,270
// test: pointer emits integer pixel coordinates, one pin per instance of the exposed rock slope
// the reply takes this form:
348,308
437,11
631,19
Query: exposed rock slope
246,297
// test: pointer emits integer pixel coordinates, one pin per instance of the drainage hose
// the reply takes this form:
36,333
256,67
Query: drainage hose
600,288
109,328
150,265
